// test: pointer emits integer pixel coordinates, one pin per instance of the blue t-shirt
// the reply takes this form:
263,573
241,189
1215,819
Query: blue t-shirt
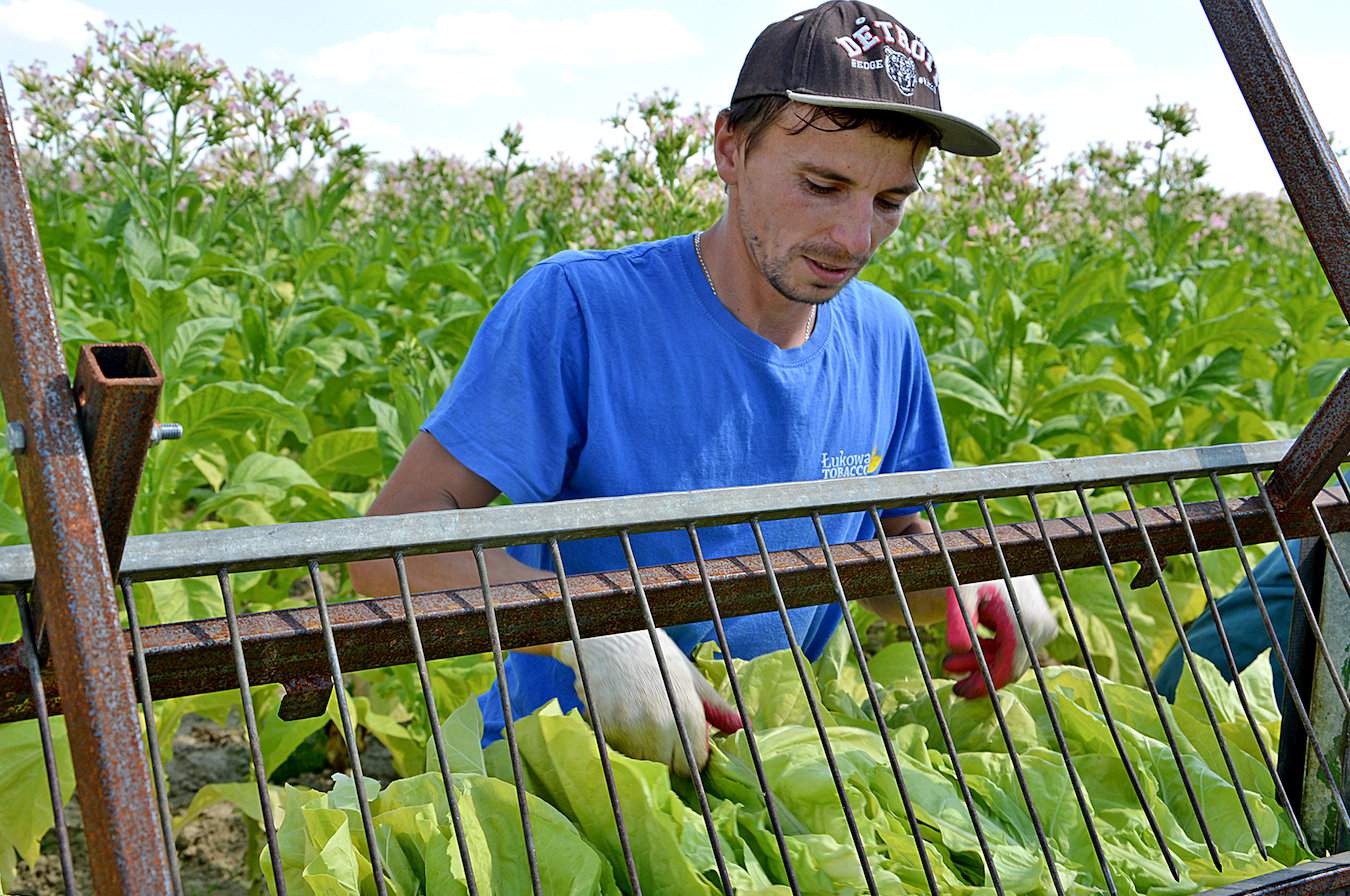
620,373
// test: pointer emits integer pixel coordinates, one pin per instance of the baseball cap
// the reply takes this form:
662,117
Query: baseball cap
855,56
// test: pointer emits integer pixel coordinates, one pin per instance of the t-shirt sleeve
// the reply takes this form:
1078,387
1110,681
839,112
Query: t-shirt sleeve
920,440
515,411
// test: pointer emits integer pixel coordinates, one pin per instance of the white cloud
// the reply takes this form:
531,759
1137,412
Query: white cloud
1053,54
463,57
53,23
1088,89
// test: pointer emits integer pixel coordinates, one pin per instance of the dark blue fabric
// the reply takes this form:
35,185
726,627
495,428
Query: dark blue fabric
620,373
1242,623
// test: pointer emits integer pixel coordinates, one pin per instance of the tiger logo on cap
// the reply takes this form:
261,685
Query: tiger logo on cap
900,68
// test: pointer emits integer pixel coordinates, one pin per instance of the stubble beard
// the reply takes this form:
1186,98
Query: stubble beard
775,270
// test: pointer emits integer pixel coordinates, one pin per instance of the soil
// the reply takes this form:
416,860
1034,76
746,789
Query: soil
215,855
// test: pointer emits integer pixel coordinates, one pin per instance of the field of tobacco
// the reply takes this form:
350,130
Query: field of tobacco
308,304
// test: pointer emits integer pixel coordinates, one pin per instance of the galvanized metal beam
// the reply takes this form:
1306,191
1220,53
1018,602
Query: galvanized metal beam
287,645
71,564
180,554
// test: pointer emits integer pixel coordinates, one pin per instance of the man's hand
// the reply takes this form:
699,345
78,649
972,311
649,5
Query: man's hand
631,702
1007,655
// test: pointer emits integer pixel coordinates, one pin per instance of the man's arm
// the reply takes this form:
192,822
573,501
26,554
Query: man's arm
431,478
925,607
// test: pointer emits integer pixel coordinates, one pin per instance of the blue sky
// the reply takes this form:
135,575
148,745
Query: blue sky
452,76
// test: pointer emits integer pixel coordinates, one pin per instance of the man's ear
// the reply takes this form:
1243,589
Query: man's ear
728,149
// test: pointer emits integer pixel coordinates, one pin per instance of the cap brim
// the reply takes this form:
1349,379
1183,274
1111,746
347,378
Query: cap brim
956,135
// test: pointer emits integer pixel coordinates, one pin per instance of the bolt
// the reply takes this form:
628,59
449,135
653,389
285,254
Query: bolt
165,432
16,438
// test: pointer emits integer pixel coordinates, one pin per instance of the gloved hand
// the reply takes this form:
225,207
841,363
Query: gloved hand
631,703
1007,655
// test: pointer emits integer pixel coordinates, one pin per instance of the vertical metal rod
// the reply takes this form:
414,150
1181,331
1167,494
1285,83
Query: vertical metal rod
251,727
948,740
1302,593
1148,679
1281,660
151,735
1281,793
1097,689
882,728
995,703
804,674
348,730
48,751
597,726
694,774
746,726
1156,568
428,697
490,613
1051,713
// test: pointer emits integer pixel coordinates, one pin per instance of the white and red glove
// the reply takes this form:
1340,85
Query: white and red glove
1007,655
631,702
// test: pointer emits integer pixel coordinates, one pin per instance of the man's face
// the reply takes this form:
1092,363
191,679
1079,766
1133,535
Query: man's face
813,207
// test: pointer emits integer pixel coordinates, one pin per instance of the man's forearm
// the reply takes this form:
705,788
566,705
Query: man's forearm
440,572
925,607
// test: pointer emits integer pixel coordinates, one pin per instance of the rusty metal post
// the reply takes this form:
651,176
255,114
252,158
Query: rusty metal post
1315,455
117,388
72,575
1317,187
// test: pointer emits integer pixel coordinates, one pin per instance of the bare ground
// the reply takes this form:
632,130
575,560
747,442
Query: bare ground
215,855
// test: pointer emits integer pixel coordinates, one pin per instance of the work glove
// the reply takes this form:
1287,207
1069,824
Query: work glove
1007,655
629,699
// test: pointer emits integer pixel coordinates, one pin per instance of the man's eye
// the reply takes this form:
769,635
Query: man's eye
888,206
819,189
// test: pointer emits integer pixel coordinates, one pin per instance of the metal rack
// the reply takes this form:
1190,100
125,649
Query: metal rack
79,452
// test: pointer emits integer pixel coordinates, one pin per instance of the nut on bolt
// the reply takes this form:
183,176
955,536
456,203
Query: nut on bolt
165,432
16,438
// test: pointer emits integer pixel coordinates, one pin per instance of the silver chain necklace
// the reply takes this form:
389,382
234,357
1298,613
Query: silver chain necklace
698,251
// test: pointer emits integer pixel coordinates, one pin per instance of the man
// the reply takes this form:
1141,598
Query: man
745,354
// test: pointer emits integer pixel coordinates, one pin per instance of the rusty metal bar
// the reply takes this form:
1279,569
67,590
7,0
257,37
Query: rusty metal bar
1320,877
117,388
72,574
194,657
1317,187
1299,148
1318,451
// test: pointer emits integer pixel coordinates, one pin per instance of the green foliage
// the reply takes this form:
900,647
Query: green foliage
308,307
323,844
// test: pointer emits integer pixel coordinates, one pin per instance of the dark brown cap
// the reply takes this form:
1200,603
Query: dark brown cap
854,56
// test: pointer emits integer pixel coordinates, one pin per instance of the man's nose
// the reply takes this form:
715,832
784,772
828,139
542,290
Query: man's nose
853,231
